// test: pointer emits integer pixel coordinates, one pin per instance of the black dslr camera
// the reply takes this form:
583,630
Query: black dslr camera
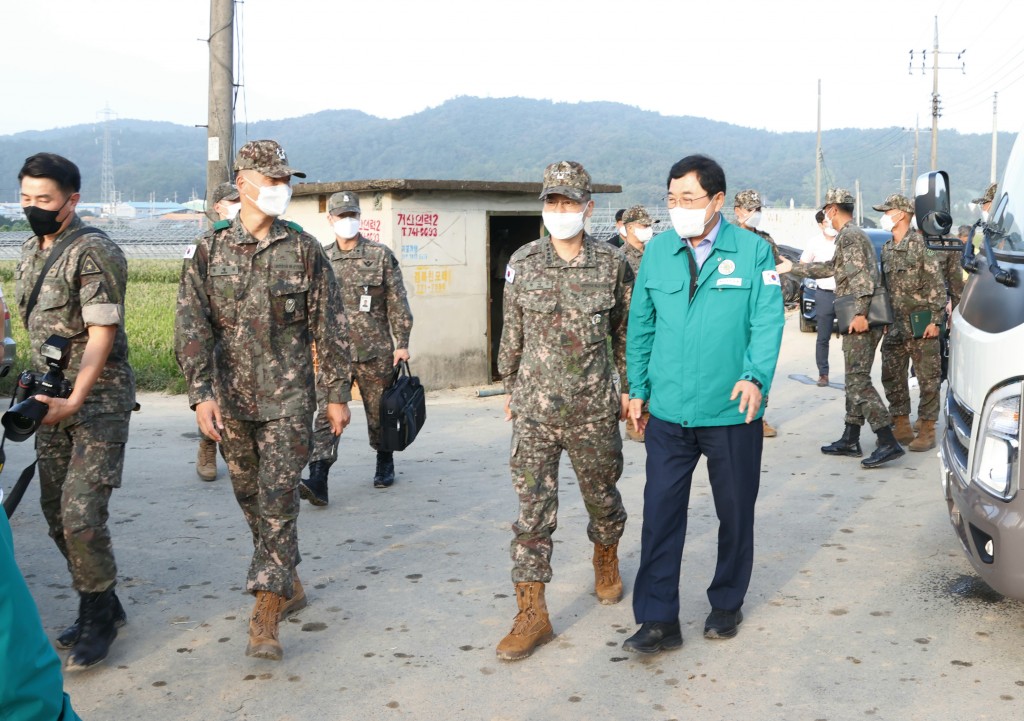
23,417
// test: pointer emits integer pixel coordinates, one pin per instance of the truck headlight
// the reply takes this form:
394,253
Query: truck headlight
998,446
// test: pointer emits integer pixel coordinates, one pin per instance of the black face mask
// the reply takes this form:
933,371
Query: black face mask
44,222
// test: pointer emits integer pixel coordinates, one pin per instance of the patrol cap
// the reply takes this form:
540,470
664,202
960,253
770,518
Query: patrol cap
344,202
838,196
267,158
638,214
225,191
748,200
896,202
567,178
988,197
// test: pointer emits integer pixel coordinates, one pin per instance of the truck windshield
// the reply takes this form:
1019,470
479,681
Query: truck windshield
1008,210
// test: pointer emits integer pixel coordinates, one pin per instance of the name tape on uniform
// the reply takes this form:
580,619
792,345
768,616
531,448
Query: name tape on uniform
770,277
738,282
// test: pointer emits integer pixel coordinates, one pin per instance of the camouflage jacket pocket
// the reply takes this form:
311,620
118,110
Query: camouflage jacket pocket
55,293
538,301
288,300
223,286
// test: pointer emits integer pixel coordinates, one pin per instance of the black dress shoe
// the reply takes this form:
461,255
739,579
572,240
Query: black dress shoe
722,624
654,636
883,454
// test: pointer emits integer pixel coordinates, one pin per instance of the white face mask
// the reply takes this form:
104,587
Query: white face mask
273,199
827,222
984,215
688,222
622,231
563,226
346,227
830,231
753,220
644,234
233,210
887,223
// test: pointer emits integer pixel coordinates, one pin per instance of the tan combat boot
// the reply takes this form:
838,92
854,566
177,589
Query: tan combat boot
917,426
531,627
607,581
263,630
297,602
769,432
206,461
902,429
926,438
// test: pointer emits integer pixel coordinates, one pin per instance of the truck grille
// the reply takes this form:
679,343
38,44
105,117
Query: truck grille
959,423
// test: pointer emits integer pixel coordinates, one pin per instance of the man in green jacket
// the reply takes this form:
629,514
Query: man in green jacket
705,326
31,686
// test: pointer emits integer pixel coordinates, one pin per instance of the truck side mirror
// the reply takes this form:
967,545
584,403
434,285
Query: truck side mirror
931,210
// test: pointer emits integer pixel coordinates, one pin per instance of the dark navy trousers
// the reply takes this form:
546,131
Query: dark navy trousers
734,468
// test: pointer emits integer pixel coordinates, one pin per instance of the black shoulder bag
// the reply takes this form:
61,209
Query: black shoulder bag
879,313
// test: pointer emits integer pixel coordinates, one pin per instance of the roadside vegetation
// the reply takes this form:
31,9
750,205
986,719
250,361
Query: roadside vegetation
149,322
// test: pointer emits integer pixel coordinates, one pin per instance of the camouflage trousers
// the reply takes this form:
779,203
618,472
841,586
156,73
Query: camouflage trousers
373,377
265,460
899,347
595,450
79,466
862,400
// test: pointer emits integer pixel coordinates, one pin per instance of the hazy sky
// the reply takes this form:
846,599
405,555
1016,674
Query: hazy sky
747,62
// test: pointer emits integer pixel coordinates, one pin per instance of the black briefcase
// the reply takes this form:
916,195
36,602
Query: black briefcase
403,410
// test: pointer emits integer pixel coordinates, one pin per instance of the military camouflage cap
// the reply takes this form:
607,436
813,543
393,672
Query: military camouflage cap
838,196
267,158
748,200
988,197
566,178
638,214
225,191
344,202
963,230
896,202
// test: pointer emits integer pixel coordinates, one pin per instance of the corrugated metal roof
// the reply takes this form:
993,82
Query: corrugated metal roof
469,186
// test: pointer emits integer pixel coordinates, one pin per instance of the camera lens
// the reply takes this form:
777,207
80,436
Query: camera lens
22,420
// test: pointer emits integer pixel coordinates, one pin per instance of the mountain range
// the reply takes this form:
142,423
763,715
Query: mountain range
513,139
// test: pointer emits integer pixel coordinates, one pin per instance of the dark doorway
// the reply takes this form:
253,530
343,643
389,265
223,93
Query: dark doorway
505,234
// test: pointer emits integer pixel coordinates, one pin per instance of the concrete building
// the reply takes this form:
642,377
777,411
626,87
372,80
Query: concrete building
453,239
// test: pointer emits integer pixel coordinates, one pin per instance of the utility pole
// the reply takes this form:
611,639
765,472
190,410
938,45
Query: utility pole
817,156
936,104
917,141
995,138
220,148
108,192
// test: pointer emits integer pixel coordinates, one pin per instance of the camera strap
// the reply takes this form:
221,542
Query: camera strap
55,254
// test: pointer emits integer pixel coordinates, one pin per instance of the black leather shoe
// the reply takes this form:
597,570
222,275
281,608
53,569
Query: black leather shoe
654,636
883,454
722,624
843,447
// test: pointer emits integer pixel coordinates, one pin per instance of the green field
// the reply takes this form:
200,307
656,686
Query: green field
149,321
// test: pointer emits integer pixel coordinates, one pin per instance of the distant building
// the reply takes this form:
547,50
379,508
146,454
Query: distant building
453,239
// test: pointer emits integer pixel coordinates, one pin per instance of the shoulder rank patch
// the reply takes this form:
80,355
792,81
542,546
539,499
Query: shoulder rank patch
510,274
221,225
294,226
190,251
770,277
89,265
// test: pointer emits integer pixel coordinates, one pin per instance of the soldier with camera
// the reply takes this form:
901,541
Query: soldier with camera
70,287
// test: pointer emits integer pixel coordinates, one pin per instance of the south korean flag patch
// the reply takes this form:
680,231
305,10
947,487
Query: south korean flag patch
190,251
510,274
770,277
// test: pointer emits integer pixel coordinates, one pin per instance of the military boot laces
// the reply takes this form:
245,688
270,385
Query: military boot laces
70,635
263,627
385,474
206,461
98,630
531,627
607,581
314,489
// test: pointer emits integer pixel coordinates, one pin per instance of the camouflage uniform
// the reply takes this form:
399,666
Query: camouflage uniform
248,311
555,363
81,458
856,273
368,270
914,279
